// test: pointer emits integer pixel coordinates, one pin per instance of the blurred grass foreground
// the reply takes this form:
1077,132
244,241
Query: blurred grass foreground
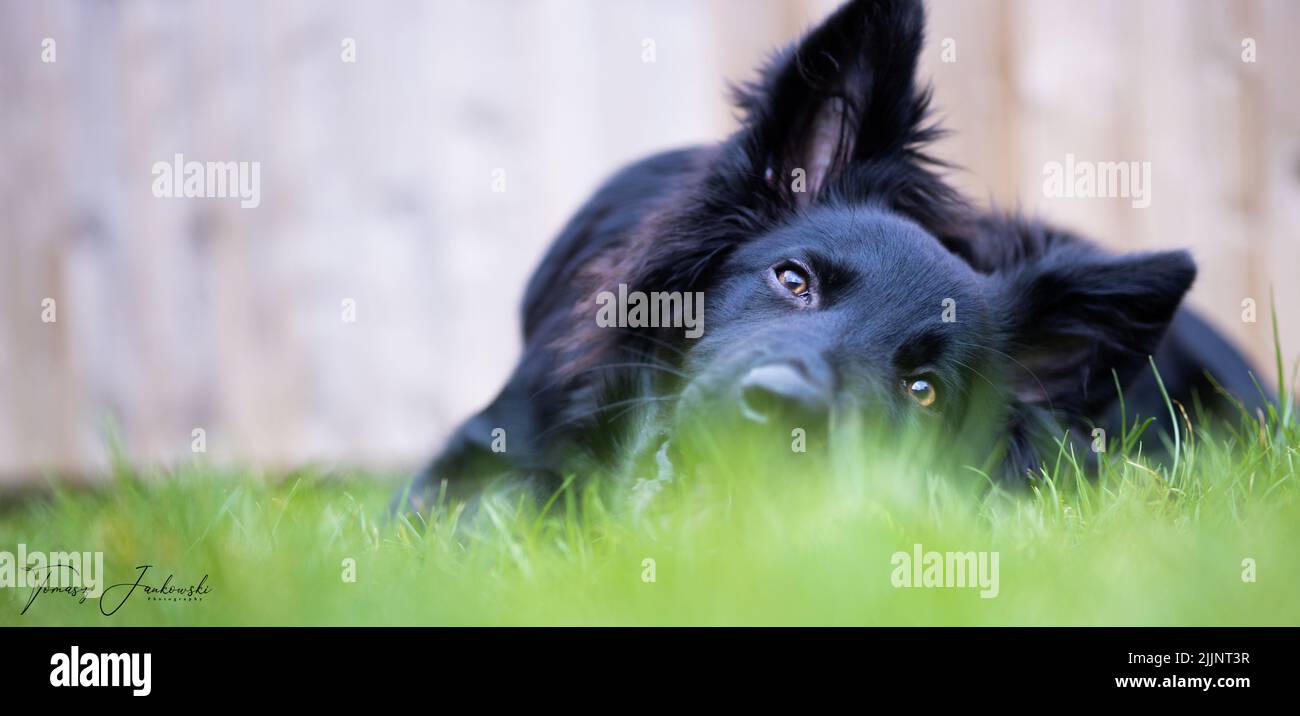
863,537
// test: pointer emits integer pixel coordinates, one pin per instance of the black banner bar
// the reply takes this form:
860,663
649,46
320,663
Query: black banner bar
237,663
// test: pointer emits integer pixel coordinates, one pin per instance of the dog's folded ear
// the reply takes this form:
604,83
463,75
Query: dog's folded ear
845,93
1076,314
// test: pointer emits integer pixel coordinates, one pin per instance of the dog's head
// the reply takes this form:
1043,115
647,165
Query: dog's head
840,272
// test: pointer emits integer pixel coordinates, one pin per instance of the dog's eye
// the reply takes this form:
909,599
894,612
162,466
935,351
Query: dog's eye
922,391
793,280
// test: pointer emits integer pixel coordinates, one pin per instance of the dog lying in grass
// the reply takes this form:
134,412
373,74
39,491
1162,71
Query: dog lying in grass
839,275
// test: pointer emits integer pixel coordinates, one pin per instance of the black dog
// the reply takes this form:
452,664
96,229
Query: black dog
839,272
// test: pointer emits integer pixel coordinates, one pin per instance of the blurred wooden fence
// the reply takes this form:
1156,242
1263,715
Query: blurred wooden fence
377,188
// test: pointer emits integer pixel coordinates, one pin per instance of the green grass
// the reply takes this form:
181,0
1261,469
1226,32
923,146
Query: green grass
804,540
1139,545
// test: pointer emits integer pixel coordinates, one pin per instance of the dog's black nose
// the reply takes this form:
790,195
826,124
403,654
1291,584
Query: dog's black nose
781,390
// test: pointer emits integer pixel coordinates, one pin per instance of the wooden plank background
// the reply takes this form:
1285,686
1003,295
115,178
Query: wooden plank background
377,187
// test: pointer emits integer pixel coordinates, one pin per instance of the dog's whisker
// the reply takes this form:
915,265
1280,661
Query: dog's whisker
643,335
632,402
655,400
638,353
649,363
994,386
1022,366
655,366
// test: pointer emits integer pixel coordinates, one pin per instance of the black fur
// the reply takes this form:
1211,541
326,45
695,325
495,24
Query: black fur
1045,320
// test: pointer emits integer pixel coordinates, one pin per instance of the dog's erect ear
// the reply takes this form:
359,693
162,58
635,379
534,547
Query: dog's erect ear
845,93
1078,313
